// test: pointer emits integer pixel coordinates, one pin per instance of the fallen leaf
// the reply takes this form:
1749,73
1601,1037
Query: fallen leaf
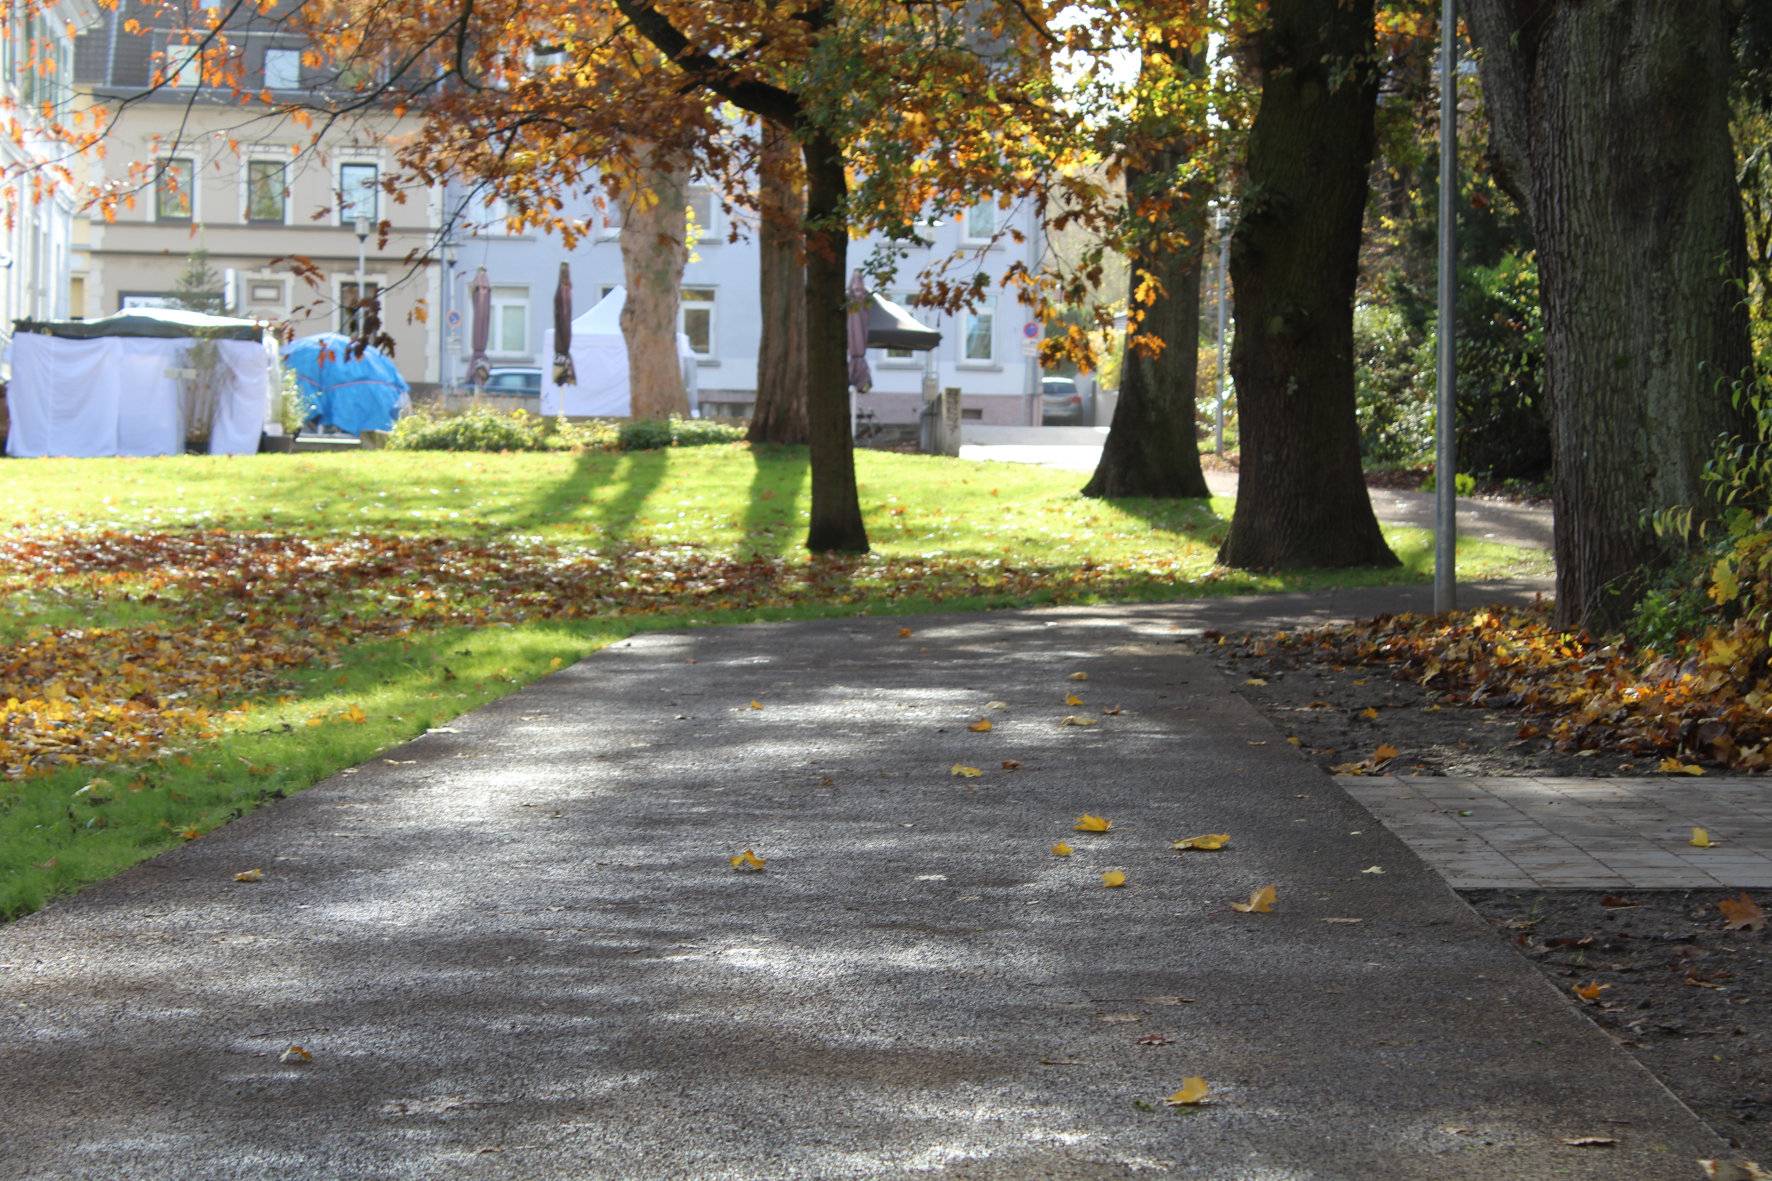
191,833
1076,720
1208,843
1155,1039
1079,676
1090,823
1614,902
1193,1090
1370,714
1072,699
1385,753
1061,850
1260,902
1255,681
981,726
996,705
1373,869
1742,914
904,633
250,875
1730,1170
747,861
1011,764
1590,1141
1113,879
1673,766
962,771
316,721
1700,838
355,715
1120,1018
1295,740
1112,711
556,662
1589,992
756,704
295,1055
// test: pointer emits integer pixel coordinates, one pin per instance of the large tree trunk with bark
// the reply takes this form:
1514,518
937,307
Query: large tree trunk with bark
836,507
653,253
1151,447
1301,495
780,413
1611,119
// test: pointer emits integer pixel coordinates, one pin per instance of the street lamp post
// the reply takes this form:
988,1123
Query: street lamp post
362,246
1445,422
1224,250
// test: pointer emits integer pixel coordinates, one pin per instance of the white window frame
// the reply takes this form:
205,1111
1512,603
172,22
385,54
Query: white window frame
375,188
181,65
506,296
711,303
967,318
281,160
373,279
289,52
192,191
710,231
966,234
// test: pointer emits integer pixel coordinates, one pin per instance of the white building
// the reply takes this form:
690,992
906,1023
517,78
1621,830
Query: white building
37,67
982,352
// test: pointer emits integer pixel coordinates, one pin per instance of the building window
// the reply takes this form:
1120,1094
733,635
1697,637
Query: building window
352,304
174,189
695,319
979,341
266,293
902,299
265,195
183,65
510,320
704,212
282,69
357,192
981,223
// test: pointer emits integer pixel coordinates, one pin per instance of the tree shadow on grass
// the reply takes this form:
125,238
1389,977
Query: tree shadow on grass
633,476
771,523
1195,518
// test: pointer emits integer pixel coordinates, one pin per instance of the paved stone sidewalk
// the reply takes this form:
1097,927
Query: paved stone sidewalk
1511,832
515,947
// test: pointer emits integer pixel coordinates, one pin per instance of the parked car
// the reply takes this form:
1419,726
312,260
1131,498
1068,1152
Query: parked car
1063,404
518,381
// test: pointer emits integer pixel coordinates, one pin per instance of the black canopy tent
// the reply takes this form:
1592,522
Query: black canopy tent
163,323
892,327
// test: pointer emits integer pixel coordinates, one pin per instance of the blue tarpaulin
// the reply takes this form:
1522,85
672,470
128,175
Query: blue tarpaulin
344,391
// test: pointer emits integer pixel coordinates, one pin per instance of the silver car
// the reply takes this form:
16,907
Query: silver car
1063,404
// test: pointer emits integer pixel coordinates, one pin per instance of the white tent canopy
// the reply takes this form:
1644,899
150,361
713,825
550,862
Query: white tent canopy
122,385
600,356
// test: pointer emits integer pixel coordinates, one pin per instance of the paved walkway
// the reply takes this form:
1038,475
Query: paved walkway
1078,449
1588,833
515,947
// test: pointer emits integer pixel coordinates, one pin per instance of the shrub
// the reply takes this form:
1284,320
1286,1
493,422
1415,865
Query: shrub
482,428
1393,398
651,434
644,434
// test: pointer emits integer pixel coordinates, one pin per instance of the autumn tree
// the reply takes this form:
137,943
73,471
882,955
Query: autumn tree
779,415
1301,493
654,250
1611,121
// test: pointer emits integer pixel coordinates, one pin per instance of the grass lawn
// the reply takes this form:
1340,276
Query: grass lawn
184,638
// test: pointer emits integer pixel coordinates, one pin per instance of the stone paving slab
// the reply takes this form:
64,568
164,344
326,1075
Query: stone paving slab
1500,832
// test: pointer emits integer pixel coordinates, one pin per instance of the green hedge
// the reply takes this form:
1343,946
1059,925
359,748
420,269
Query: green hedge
482,428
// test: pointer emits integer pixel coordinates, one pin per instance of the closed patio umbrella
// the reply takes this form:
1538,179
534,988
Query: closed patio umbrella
564,374
480,303
859,376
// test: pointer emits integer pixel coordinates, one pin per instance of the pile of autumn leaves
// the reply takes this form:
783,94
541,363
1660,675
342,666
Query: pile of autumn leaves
219,619
1708,706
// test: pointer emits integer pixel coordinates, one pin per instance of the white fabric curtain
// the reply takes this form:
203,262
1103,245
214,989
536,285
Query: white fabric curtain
63,397
242,414
602,388
146,373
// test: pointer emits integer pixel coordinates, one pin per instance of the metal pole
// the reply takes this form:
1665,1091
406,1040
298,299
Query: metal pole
1445,417
1224,250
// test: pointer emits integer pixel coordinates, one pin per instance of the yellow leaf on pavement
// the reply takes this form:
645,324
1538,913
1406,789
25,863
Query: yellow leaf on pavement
1385,753
1255,681
904,633
1193,1090
1113,879
1076,720
1061,850
1589,992
1260,902
962,771
980,726
1700,838
756,704
1090,823
1072,699
250,875
1295,740
747,861
1208,843
1673,766
1079,676
295,1055
1370,714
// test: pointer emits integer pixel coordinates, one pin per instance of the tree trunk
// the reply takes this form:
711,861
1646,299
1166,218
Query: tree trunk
1612,115
1152,448
653,253
1301,496
780,413
836,508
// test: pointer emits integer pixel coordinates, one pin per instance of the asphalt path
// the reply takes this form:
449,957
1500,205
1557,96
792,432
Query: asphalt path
515,946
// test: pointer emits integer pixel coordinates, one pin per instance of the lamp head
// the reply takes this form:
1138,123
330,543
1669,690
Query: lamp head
362,227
